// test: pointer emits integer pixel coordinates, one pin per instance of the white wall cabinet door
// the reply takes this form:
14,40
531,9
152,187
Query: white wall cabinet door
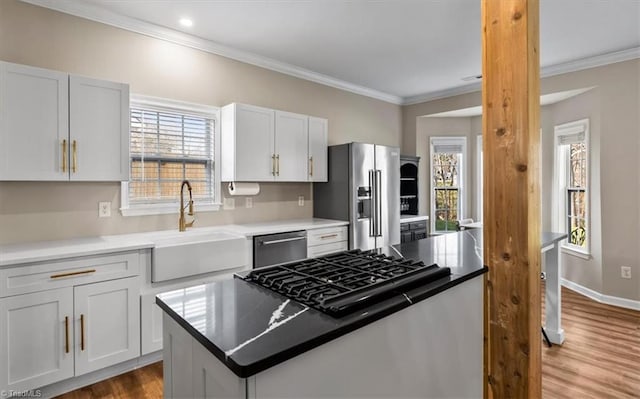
318,136
292,135
252,130
107,324
36,339
98,130
34,121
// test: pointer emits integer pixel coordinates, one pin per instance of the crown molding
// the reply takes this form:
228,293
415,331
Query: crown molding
436,95
590,62
551,70
95,13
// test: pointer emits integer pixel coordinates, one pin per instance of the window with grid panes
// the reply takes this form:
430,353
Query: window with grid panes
572,183
169,144
446,182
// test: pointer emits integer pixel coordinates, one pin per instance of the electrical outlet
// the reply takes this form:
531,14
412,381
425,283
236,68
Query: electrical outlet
104,209
625,272
301,200
248,202
229,204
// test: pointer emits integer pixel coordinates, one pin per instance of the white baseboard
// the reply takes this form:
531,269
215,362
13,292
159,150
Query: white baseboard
602,298
82,381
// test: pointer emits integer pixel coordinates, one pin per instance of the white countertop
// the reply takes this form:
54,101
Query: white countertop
13,254
413,218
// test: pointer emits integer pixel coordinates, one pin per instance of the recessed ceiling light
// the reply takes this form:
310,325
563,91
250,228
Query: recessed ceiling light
186,22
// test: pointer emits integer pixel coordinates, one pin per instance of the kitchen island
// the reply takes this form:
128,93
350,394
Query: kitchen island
236,339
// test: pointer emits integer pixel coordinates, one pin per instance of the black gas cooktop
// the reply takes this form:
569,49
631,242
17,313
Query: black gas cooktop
344,282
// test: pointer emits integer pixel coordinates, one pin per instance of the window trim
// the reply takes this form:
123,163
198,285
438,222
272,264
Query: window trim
187,108
559,196
462,185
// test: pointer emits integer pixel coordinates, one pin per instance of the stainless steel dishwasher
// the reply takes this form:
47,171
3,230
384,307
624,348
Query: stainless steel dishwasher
279,248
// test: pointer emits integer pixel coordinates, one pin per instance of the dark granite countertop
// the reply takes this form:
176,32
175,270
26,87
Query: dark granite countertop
250,328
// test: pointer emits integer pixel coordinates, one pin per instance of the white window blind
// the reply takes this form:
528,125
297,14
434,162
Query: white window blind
168,146
448,147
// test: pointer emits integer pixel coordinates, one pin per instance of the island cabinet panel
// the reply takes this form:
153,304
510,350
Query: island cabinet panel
431,349
36,339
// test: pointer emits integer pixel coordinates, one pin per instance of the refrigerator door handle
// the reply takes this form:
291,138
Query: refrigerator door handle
374,203
378,203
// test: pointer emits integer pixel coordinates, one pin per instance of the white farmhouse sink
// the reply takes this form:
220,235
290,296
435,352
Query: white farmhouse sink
178,255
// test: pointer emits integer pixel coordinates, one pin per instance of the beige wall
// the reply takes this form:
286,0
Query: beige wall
613,107
40,37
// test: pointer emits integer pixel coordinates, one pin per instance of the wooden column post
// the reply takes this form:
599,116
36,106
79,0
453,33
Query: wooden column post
511,140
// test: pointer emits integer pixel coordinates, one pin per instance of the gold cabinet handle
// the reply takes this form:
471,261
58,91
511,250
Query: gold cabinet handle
311,166
75,157
64,155
278,165
328,236
73,273
81,332
273,164
66,334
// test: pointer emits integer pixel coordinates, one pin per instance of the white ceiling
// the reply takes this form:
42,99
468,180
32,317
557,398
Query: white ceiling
406,49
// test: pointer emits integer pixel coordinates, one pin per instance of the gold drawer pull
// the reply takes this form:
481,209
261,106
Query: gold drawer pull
73,273
311,166
64,155
81,332
66,334
328,236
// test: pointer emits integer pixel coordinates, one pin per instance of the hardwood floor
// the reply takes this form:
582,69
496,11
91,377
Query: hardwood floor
600,359
143,383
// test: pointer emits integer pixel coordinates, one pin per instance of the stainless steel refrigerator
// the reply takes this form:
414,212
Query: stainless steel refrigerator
363,189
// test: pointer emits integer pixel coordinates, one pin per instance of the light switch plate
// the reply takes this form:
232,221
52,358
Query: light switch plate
229,204
248,202
301,200
104,209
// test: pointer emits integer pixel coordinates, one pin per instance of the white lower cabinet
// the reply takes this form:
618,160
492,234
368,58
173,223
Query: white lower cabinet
53,335
326,241
36,339
151,324
107,324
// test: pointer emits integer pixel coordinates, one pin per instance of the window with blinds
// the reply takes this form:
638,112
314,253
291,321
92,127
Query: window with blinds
169,143
447,157
572,193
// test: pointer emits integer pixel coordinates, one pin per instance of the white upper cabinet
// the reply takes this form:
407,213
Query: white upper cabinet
262,145
318,132
98,129
34,123
59,127
247,143
292,132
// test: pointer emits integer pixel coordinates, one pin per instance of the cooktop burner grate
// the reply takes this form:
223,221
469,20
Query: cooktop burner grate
341,283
